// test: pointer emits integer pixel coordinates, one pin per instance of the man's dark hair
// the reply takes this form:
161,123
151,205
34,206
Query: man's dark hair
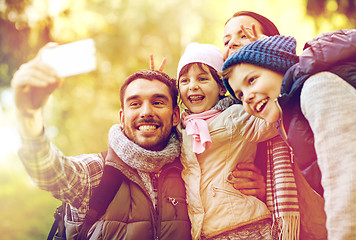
268,27
151,75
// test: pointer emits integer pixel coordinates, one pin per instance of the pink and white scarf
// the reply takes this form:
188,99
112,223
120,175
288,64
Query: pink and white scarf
197,126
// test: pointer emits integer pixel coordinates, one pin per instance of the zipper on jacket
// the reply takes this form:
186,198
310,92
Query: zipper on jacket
160,199
284,133
222,190
153,210
160,180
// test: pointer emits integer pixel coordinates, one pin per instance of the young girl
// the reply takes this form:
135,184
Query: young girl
216,135
313,110
240,29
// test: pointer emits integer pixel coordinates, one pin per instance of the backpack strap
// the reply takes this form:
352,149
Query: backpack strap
58,224
102,197
58,230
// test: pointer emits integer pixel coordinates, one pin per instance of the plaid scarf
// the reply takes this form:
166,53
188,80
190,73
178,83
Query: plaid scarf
282,195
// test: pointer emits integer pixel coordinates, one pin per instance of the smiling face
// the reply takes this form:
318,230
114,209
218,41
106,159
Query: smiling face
147,115
198,89
234,38
257,88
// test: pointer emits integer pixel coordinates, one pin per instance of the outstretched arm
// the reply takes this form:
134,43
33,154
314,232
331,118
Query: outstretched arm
69,179
32,84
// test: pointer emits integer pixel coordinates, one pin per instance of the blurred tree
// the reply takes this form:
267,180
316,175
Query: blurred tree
18,40
338,13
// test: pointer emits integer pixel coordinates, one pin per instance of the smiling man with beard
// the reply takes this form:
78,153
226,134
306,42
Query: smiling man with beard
132,191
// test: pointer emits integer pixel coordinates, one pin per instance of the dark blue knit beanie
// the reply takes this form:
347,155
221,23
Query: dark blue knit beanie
277,53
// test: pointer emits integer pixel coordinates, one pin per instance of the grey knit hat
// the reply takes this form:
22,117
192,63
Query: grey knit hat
277,53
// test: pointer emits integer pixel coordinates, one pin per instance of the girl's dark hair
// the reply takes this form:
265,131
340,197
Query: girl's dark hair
268,27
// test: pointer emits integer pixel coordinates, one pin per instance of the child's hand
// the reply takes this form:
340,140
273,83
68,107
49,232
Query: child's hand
251,181
152,64
252,35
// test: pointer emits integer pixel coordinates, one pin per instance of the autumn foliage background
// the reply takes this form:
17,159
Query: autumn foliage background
81,111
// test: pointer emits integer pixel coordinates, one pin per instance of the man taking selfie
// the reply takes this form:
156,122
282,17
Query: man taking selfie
131,191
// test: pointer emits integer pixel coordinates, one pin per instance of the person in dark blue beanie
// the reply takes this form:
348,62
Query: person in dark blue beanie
277,53
312,101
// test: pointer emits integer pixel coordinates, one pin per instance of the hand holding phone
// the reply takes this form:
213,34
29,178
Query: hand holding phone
71,58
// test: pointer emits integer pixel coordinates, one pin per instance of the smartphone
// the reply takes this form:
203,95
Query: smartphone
72,58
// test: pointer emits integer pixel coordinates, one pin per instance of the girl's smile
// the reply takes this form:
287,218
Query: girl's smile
196,99
198,89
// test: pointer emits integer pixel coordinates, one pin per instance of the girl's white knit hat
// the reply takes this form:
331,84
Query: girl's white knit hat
201,53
